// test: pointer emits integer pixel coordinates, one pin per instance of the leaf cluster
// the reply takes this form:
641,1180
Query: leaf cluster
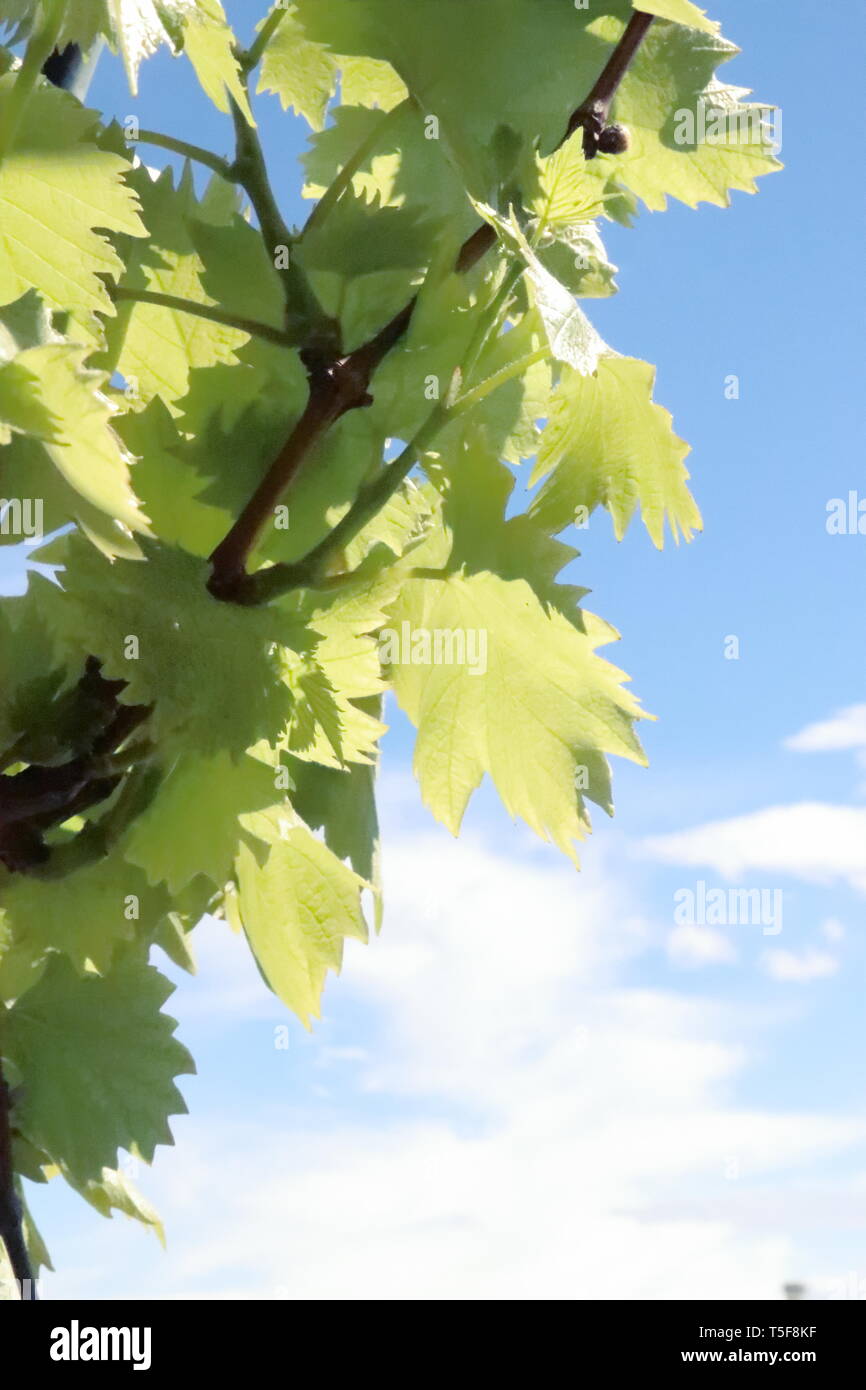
270,457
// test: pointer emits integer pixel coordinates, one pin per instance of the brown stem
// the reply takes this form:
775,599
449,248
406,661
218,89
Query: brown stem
41,791
475,247
342,384
11,1215
331,395
126,720
40,797
335,389
99,789
592,114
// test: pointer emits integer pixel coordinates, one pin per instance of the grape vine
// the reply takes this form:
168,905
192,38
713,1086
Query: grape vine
254,453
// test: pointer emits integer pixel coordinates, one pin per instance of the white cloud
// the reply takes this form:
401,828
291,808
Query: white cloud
843,730
522,1116
329,1055
696,946
813,841
799,966
832,929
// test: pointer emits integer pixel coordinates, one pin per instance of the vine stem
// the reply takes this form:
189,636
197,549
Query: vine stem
492,320
11,1214
186,150
500,378
311,572
250,171
275,580
592,114
339,383
324,406
120,294
40,47
254,54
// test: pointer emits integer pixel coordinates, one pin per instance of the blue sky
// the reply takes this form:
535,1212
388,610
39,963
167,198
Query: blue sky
538,1084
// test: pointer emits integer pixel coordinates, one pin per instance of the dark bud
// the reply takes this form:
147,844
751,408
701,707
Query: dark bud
614,139
63,66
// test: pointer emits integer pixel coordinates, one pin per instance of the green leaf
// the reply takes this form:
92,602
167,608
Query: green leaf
462,65
21,406
342,802
400,526
56,188
361,238
98,908
576,257
565,191
80,445
234,422
334,674
153,347
419,370
680,12
673,151
530,703
36,1248
512,411
572,338
98,1060
608,443
370,82
137,28
173,936
297,909
351,128
114,1191
172,845
400,166
134,28
209,44
30,674
19,970
154,625
28,471
24,324
168,485
474,535
85,449
301,73
435,45
564,199
236,269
